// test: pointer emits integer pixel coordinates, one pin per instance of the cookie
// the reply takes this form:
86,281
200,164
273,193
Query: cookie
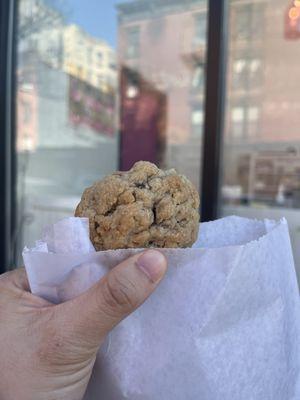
144,207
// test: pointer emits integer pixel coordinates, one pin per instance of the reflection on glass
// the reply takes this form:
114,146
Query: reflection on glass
162,48
261,160
100,86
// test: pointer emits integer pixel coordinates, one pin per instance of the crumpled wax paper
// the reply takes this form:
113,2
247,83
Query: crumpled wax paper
224,324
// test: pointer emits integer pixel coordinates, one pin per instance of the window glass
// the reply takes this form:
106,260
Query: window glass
200,28
133,42
261,149
102,84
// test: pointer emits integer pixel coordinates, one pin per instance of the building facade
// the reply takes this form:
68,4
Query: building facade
89,59
261,137
67,47
164,42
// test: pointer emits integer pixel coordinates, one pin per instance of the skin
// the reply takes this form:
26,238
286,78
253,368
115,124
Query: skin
47,351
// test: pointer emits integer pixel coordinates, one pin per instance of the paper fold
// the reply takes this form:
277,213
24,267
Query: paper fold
223,324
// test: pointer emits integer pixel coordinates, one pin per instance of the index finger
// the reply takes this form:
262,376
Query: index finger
18,278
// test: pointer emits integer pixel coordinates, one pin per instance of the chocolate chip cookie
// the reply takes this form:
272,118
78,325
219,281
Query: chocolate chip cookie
144,207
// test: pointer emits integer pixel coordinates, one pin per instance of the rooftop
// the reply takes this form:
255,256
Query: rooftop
138,9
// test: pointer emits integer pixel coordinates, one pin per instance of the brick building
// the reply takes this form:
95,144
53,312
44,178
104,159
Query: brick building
262,137
164,42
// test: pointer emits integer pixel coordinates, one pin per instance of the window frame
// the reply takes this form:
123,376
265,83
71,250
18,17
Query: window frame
217,41
7,138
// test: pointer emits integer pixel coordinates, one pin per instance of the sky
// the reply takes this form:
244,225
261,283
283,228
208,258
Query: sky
97,17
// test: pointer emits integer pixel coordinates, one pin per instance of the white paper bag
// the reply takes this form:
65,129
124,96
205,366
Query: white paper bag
224,324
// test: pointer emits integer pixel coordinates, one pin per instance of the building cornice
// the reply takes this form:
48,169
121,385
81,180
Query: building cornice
145,9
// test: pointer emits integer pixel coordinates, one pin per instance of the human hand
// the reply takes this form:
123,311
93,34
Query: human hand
47,351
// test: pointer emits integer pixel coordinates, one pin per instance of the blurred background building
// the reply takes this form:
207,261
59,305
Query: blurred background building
261,139
89,59
165,43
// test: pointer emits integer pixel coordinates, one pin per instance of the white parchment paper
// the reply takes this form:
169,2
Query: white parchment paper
223,325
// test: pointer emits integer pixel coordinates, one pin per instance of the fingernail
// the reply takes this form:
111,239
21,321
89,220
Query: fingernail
153,264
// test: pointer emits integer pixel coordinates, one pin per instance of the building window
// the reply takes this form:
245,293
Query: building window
100,57
242,21
198,78
255,72
27,142
249,21
200,29
247,73
253,113
133,42
258,21
26,112
197,121
244,122
239,74
237,122
89,52
252,121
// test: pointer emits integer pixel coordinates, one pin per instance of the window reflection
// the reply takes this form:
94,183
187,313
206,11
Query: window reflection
98,91
162,51
261,150
133,42
262,100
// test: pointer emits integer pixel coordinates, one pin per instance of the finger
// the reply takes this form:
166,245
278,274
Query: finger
119,293
17,278
21,279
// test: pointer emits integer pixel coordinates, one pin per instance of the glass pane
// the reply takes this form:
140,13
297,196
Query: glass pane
261,160
100,86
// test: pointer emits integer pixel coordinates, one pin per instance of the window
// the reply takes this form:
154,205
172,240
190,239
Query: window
237,122
27,112
240,74
242,21
261,141
197,121
252,121
253,113
244,122
255,72
89,53
198,78
27,142
258,21
100,57
80,108
200,29
249,21
133,42
247,73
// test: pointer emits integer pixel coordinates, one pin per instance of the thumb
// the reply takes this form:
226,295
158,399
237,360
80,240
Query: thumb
93,314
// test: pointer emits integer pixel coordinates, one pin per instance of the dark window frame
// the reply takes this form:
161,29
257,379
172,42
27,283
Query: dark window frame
217,40
7,129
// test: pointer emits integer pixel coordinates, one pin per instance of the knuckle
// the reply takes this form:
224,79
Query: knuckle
119,294
5,278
